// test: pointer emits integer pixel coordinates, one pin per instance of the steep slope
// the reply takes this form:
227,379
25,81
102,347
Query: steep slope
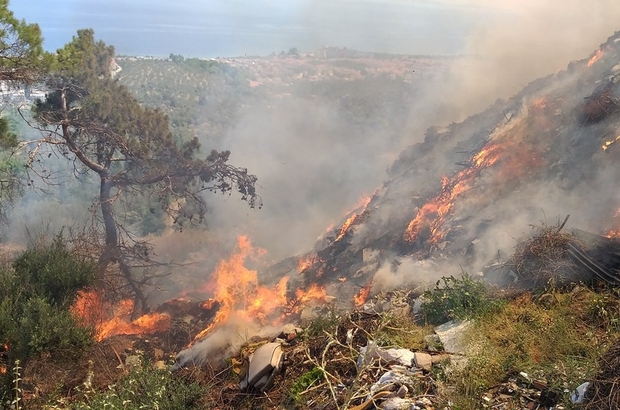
470,189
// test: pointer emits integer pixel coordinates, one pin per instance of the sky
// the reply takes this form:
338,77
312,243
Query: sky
211,28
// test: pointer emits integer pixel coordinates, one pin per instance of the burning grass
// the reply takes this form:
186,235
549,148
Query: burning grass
555,337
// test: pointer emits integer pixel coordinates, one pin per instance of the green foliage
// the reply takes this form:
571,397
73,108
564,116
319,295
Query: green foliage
457,298
38,290
130,147
42,328
199,96
146,388
304,382
22,61
323,324
53,272
21,48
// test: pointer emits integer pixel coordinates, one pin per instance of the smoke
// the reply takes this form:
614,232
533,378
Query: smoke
223,342
314,163
410,272
526,40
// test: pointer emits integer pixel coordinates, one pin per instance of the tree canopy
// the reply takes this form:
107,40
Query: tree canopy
22,62
96,124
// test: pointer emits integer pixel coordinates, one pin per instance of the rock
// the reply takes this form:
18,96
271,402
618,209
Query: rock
290,331
433,343
438,358
397,403
423,360
371,351
451,336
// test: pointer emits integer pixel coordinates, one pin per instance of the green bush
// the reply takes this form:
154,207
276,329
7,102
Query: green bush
37,291
304,382
457,298
147,388
52,271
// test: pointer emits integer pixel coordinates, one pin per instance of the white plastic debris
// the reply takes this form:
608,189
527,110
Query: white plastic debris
372,351
349,336
397,403
579,393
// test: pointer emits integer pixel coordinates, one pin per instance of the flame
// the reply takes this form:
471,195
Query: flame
305,263
607,144
540,103
613,233
351,219
146,324
361,296
242,297
5,348
110,320
597,55
432,215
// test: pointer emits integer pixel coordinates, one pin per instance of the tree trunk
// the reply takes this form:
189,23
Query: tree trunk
112,253
109,254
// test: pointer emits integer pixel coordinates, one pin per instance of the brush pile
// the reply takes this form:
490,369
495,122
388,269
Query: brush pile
603,392
544,258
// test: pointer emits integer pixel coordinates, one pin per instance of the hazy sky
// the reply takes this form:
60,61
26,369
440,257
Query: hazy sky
235,27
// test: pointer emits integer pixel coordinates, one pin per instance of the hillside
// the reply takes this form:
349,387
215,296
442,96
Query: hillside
367,318
468,192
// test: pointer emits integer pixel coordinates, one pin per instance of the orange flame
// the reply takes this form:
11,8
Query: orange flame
433,214
3,368
613,233
597,55
607,144
305,263
351,219
241,296
360,298
108,320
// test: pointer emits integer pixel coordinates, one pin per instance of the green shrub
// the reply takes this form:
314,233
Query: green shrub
37,291
304,382
147,388
42,327
457,298
52,271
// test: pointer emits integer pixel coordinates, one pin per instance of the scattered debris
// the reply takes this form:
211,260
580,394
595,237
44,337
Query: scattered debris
265,365
579,393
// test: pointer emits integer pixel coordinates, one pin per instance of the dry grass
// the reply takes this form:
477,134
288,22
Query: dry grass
555,336
604,390
543,258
